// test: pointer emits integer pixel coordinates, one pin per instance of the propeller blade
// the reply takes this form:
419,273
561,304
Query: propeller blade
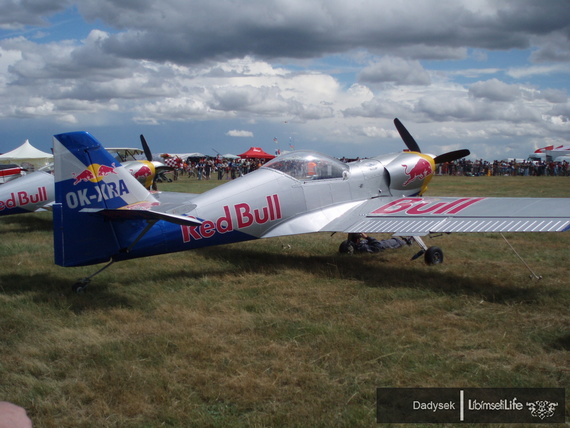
406,136
162,168
451,156
146,149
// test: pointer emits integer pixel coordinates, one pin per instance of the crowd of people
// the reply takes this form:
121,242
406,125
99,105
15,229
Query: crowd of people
229,169
511,168
209,168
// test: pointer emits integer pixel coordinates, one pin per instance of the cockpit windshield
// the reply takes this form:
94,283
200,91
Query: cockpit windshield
306,165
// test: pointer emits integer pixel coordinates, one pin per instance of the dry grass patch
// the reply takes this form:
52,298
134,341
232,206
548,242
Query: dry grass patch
281,332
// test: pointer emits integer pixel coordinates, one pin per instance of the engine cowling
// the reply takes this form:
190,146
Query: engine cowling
410,173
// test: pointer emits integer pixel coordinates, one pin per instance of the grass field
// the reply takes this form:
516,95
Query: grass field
279,332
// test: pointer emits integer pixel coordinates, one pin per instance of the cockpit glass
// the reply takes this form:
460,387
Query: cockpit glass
305,165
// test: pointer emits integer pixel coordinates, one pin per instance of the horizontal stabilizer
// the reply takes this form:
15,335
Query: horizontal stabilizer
131,214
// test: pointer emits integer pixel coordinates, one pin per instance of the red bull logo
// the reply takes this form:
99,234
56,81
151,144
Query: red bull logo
105,170
143,172
94,173
23,198
241,215
422,169
86,175
422,207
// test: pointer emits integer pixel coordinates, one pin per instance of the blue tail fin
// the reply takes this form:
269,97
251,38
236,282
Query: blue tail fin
88,178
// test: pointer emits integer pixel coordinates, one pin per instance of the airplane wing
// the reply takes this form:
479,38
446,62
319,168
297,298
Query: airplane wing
126,153
415,216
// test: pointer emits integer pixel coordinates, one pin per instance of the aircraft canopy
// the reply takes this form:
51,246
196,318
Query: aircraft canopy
306,165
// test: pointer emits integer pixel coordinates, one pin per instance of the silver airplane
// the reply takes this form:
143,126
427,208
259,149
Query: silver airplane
103,214
10,172
551,154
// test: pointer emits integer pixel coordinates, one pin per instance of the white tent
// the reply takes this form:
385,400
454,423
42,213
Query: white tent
27,156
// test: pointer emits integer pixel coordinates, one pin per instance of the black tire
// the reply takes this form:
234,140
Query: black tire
79,288
346,247
433,256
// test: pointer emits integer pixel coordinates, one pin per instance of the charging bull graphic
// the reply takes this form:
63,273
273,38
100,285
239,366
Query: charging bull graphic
143,172
421,170
105,170
85,175
89,175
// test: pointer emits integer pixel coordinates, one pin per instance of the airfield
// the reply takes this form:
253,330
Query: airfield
280,332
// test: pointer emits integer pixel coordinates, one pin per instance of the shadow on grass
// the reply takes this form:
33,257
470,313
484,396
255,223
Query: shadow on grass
365,268
562,343
25,223
55,291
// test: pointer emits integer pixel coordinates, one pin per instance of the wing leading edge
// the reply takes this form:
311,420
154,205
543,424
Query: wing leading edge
421,216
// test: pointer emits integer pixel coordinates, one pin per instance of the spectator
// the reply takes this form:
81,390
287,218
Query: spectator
362,243
12,416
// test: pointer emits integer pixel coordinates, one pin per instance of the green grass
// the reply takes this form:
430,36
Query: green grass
279,332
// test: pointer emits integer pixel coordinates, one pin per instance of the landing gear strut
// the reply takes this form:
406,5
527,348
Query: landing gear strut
80,286
432,255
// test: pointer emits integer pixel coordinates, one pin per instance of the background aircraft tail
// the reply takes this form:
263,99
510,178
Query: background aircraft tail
87,180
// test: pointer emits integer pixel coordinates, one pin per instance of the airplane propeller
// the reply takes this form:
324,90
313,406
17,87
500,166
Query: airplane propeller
146,149
158,168
414,147
451,156
406,136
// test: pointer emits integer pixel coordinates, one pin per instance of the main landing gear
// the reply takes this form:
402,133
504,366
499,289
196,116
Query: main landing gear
432,255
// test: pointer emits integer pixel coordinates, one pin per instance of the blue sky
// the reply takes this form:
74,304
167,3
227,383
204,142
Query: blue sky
323,75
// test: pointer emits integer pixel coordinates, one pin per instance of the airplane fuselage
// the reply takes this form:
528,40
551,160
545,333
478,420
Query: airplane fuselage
270,202
102,212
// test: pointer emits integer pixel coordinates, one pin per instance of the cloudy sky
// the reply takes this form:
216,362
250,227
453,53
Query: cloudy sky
327,75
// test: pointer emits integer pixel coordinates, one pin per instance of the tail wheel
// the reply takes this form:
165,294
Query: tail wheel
433,256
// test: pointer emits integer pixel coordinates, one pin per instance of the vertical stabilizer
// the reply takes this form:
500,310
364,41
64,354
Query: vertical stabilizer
88,178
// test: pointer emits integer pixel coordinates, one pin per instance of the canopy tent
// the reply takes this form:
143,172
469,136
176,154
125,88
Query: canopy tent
185,156
256,153
27,156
